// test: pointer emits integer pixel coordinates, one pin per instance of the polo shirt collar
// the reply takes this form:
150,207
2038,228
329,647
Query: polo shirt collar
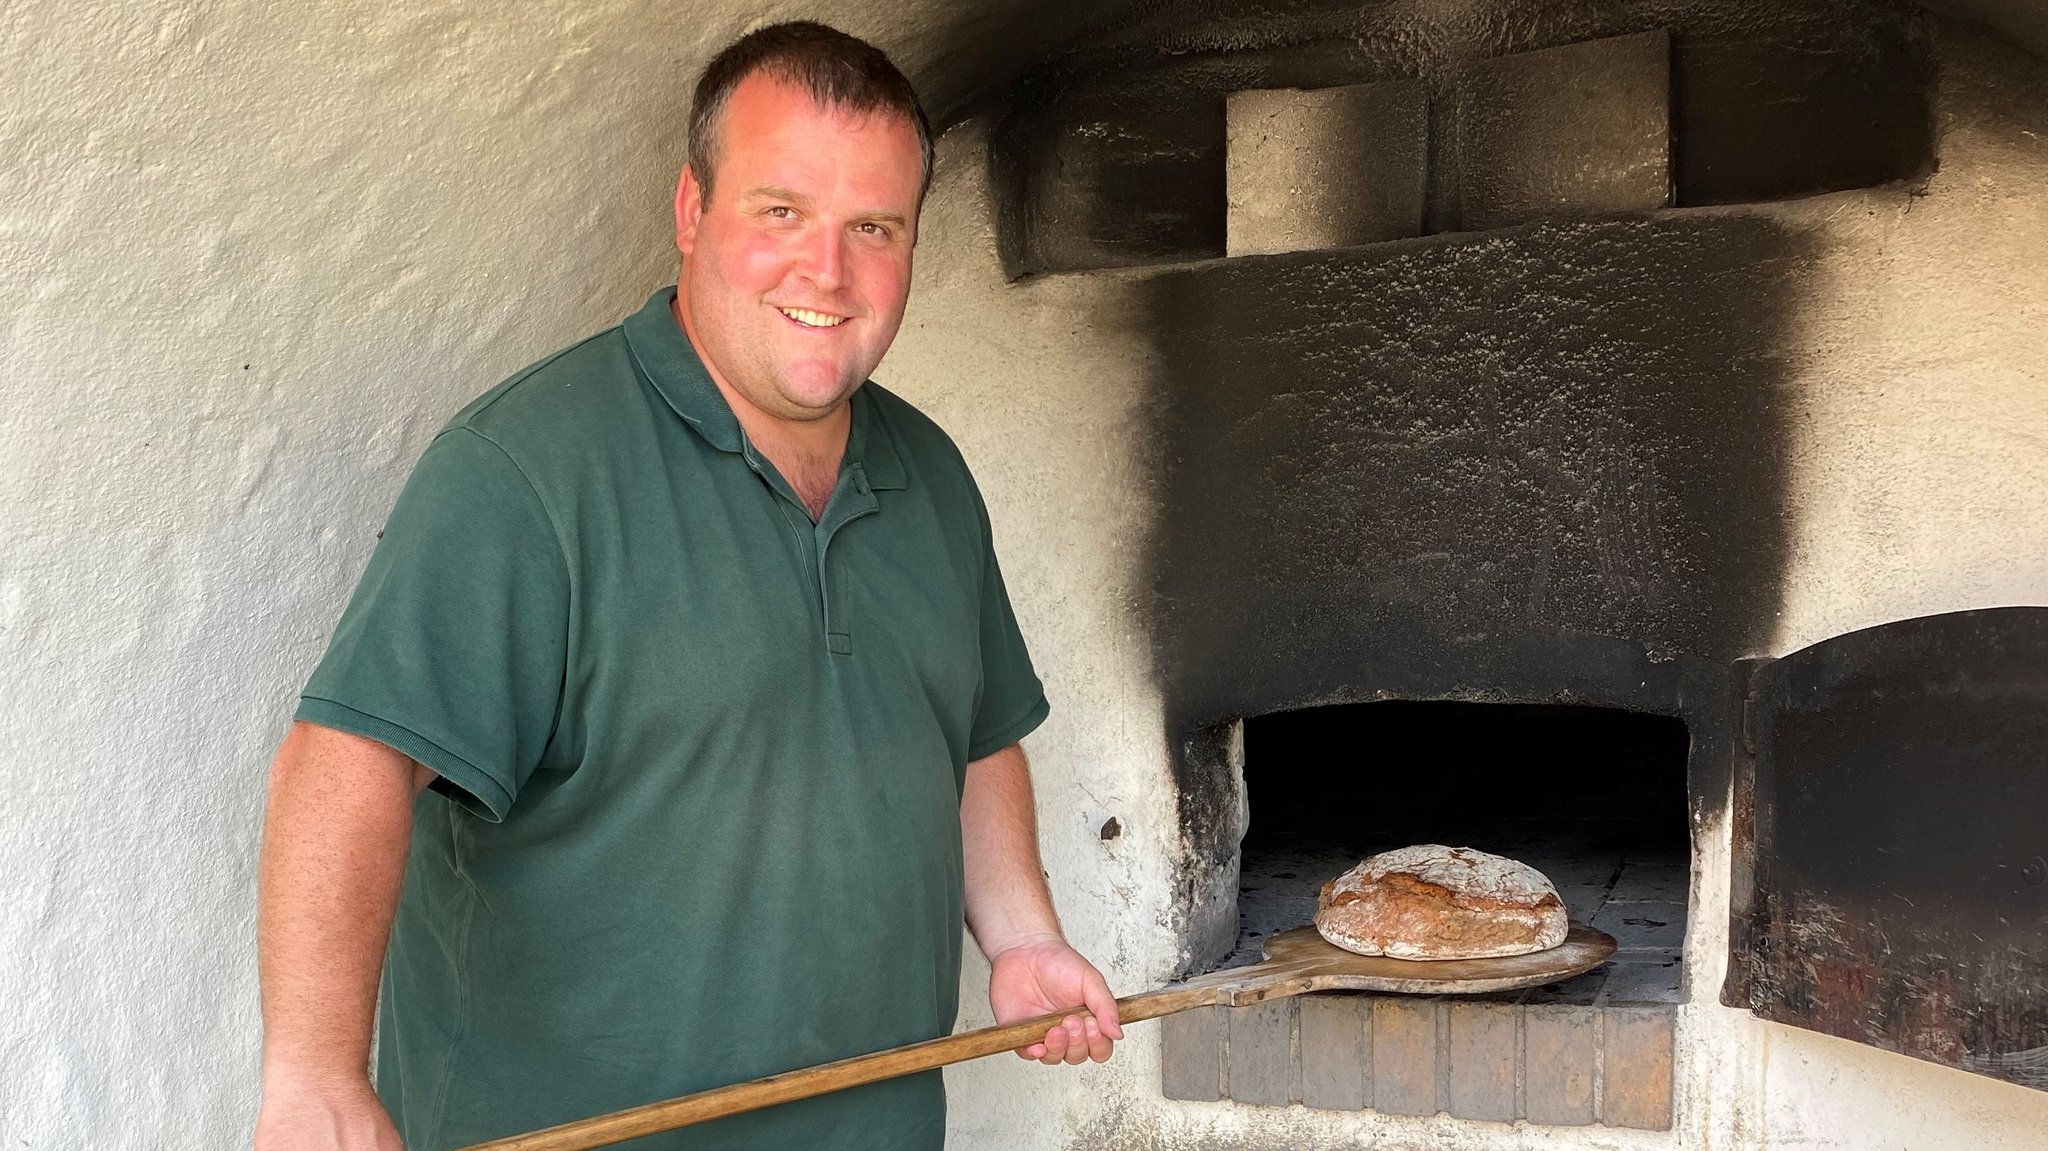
871,445
665,354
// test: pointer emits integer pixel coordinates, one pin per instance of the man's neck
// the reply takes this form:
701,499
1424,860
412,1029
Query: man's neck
807,453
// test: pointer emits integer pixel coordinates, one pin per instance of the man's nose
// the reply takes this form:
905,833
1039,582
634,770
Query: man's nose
824,259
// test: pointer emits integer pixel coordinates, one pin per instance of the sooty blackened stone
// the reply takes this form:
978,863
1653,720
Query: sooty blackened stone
1580,129
1546,465
1137,178
1110,153
1760,120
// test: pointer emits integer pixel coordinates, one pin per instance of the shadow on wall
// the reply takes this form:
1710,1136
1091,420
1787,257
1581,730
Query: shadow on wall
1476,465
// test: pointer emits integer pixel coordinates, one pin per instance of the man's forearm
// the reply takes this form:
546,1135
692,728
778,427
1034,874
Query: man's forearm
1007,900
335,837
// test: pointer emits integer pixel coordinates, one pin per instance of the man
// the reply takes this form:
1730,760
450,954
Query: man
685,674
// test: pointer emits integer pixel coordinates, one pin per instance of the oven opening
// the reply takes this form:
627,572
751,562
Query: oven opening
1592,797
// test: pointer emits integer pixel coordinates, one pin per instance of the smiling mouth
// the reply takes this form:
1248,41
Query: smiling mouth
810,319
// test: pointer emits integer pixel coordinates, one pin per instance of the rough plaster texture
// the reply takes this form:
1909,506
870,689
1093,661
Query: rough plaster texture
380,210
255,253
1919,477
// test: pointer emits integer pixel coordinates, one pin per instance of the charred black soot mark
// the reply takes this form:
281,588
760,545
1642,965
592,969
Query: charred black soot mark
1759,120
1547,463
1896,803
1111,151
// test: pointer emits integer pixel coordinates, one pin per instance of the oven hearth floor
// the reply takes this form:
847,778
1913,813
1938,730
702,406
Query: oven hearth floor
1636,894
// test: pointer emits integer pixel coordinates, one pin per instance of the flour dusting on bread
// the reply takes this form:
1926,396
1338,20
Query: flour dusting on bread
1435,902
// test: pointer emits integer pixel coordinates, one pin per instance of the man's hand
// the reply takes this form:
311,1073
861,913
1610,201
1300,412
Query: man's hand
1044,975
1032,971
339,1116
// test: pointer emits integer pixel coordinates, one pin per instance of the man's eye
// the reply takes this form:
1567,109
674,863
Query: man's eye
873,229
782,212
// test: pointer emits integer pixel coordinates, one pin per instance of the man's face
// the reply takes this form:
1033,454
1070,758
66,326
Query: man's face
797,267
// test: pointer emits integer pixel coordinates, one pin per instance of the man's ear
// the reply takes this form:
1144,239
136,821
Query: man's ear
689,209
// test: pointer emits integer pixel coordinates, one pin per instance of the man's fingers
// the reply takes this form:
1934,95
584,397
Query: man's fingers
1099,1044
1077,1039
1053,1051
1097,998
1064,1042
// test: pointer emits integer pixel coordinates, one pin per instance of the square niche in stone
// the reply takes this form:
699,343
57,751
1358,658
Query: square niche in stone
1576,130
1326,167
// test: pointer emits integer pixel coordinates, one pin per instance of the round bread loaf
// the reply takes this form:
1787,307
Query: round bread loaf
1436,902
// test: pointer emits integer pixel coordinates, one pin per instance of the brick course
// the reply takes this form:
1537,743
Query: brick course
1487,1060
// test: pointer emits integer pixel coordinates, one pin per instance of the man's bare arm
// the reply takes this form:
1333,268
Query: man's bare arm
1009,909
335,836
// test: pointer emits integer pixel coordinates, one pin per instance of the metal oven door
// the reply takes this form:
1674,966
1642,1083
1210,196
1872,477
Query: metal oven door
1891,841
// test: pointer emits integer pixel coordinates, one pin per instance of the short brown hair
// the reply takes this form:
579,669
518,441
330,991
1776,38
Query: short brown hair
838,70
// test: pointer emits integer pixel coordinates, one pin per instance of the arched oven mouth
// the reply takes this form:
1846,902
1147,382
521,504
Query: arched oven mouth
1595,797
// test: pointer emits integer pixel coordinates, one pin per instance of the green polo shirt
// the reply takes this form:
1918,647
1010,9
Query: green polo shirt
700,757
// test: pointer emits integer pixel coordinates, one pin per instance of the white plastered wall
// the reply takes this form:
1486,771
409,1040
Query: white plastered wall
255,252
252,254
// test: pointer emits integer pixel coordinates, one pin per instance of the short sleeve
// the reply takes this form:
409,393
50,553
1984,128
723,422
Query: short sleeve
453,648
1012,702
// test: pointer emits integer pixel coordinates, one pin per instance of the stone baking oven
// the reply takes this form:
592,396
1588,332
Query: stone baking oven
1471,373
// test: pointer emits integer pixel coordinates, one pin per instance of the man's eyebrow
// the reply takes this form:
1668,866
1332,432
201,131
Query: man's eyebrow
778,192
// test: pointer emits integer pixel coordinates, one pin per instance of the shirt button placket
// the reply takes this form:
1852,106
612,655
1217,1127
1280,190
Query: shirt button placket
838,638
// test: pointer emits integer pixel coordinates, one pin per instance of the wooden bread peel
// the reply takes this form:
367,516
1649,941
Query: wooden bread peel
1297,962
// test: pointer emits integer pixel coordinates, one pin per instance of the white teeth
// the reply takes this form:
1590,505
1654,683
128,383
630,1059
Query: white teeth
811,319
